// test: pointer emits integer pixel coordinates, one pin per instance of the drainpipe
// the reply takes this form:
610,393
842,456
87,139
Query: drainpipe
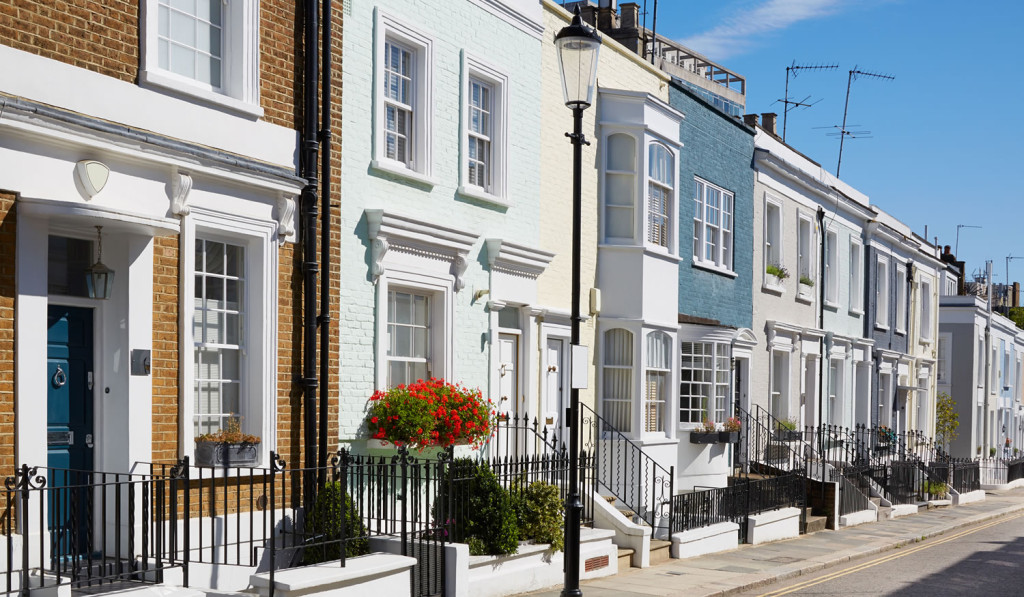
325,229
310,266
988,359
821,316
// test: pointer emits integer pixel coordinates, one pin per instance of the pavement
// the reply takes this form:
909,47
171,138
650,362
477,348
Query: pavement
753,566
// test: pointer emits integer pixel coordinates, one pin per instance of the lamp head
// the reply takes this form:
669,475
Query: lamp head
578,45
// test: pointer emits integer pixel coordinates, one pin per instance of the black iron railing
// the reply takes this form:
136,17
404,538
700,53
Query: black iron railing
89,529
619,466
1015,470
965,475
851,493
737,502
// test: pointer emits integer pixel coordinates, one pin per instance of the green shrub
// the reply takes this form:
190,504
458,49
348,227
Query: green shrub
935,489
485,513
540,515
323,527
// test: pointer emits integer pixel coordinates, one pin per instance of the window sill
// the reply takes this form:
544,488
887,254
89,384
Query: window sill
773,288
183,87
856,312
714,268
834,307
659,252
900,332
881,327
478,194
925,341
401,171
805,298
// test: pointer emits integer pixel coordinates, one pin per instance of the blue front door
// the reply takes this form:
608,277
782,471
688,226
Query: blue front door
69,433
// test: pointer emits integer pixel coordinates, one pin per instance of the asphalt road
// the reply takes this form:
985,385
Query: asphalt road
984,560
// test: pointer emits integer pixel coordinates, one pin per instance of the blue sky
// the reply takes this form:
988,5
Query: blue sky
946,133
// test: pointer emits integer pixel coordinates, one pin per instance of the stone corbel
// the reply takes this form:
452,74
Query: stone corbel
459,266
285,216
378,249
181,186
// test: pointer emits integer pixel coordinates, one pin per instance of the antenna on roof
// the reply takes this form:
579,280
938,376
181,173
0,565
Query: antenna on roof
790,104
843,131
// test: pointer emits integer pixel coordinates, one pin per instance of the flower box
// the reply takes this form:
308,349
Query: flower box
787,435
227,455
704,437
728,437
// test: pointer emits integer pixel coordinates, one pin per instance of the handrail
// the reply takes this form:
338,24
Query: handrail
628,473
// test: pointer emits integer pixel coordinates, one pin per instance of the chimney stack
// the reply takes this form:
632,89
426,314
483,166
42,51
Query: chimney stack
750,120
630,15
768,122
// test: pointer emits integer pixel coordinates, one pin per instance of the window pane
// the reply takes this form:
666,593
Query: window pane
619,189
621,153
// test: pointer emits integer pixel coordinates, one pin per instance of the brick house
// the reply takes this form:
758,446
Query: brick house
163,135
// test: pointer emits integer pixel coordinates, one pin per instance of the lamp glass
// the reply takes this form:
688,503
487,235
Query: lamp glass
578,46
100,281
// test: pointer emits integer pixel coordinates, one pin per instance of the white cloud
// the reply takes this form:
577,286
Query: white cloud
741,30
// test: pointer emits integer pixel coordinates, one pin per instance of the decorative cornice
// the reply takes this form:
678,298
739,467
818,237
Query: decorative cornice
516,259
390,231
181,185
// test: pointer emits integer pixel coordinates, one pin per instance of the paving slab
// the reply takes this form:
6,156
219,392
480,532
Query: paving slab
753,566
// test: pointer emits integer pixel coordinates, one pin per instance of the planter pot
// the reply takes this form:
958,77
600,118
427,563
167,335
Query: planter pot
787,435
378,448
728,437
211,454
701,437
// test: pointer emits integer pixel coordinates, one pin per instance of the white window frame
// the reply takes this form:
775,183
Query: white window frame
926,308
668,243
723,248
837,390
901,298
993,369
439,293
258,394
856,277
831,273
804,250
943,358
657,403
496,192
712,381
623,405
773,253
427,325
882,292
629,178
780,383
420,166
240,60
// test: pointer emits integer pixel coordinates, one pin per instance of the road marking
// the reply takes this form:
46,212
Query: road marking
888,558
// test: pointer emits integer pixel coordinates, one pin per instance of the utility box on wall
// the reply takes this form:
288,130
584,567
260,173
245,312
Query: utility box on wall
140,362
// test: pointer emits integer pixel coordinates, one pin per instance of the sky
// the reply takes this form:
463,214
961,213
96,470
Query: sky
946,135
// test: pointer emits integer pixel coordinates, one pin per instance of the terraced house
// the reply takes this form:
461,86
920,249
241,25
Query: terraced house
151,280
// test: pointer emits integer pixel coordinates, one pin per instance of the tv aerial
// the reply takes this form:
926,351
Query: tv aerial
844,132
790,104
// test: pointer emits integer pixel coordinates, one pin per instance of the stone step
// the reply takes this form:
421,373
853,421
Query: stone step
625,557
884,513
876,501
661,551
815,524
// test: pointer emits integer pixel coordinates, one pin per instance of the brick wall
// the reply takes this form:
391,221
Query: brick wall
718,149
7,291
103,37
165,348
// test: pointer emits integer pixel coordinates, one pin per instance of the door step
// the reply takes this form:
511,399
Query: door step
661,551
815,524
625,557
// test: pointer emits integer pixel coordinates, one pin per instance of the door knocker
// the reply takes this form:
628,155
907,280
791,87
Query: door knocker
59,378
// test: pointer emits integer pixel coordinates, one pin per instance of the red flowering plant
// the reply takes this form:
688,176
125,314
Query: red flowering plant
430,413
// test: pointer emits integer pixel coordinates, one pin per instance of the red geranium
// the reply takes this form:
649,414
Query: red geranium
430,413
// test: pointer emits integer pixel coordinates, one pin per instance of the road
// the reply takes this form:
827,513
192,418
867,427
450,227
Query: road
986,559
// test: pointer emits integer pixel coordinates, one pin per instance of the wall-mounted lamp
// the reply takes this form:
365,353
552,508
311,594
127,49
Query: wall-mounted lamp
480,294
92,175
99,278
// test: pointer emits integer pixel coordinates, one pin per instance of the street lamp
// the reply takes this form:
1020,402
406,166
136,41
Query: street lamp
577,46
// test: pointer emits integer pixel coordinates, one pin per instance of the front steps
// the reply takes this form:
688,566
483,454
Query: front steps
812,523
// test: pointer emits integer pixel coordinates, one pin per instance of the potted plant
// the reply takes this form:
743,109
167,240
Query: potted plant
774,269
730,433
430,413
705,434
228,446
806,280
786,431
